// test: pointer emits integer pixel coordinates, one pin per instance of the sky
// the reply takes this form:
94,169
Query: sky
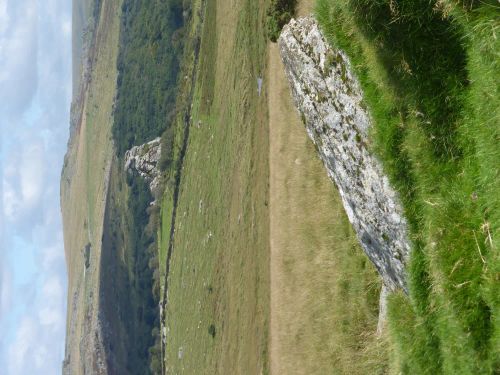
35,97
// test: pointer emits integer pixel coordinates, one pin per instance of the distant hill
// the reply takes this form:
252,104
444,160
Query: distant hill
81,11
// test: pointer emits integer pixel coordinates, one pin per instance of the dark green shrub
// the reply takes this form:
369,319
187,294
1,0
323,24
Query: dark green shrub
212,330
279,13
151,45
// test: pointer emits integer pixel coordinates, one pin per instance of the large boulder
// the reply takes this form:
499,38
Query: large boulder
144,160
330,101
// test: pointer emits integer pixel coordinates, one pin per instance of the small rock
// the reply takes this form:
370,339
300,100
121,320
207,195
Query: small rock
180,353
259,85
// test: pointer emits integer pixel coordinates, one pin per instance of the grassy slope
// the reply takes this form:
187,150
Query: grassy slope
188,68
429,72
82,11
219,267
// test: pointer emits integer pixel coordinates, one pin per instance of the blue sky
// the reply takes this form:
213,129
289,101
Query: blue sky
35,95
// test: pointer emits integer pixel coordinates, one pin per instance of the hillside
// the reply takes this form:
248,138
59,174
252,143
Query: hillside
84,190
326,204
110,251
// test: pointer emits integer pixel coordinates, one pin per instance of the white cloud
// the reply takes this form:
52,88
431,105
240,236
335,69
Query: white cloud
5,290
53,255
35,79
40,356
11,200
22,345
18,56
23,179
52,289
31,173
36,345
66,27
51,317
4,16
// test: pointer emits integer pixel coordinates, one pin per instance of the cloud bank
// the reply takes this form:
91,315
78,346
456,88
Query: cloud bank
35,95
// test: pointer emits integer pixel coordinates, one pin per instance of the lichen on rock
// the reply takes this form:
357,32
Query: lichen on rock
330,101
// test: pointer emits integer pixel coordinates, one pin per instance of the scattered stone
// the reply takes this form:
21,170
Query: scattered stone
259,85
180,353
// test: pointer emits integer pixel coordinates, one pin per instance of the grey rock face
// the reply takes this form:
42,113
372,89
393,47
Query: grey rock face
144,159
329,99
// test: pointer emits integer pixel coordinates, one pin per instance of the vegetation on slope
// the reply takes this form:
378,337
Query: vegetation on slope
151,45
129,305
429,70
217,308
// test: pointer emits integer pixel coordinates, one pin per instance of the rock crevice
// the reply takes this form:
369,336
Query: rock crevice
330,101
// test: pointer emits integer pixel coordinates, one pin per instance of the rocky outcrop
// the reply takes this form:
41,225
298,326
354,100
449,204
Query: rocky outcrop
330,101
144,160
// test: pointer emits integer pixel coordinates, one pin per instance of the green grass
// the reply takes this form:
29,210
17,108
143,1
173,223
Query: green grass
164,235
429,71
177,133
217,285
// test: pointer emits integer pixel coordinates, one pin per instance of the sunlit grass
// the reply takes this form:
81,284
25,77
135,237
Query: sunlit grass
429,71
